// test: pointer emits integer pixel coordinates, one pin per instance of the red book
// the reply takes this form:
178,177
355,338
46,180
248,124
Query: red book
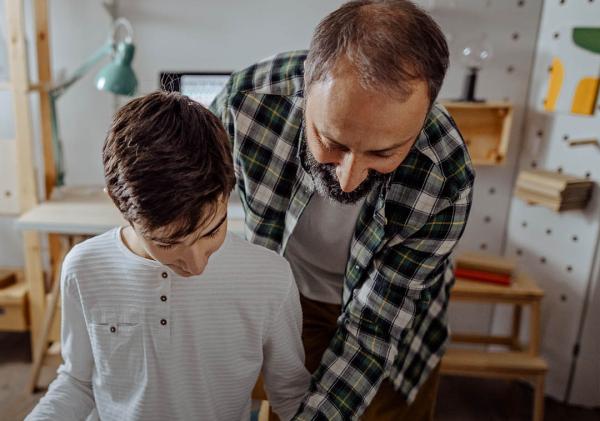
478,275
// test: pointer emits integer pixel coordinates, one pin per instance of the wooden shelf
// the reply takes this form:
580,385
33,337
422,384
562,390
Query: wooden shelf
522,290
468,362
485,127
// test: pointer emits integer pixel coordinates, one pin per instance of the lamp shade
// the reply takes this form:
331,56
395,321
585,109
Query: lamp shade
118,76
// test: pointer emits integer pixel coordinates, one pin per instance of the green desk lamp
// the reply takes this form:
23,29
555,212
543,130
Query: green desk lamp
116,77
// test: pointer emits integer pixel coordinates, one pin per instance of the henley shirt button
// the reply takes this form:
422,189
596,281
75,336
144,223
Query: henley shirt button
164,275
113,329
163,322
163,298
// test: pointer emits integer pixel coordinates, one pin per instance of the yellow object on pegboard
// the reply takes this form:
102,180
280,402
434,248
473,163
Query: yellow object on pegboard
557,74
584,100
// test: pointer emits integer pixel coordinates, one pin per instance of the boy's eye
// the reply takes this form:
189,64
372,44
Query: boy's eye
165,246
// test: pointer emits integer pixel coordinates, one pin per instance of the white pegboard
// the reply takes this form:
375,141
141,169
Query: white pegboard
559,249
511,30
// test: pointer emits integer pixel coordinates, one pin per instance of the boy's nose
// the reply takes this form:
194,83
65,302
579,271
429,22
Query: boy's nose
195,263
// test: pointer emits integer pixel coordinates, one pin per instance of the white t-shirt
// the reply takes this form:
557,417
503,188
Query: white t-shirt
140,342
319,247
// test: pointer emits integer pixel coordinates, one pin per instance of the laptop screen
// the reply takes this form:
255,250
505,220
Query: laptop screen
200,86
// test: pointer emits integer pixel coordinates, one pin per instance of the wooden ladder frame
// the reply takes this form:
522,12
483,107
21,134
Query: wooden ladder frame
21,88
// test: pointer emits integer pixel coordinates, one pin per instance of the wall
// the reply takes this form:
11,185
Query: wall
559,249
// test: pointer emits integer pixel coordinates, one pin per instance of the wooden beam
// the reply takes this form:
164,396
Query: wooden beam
45,78
20,88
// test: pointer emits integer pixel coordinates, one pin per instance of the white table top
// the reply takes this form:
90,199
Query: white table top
87,210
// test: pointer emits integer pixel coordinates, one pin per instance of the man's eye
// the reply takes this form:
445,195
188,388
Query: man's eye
383,154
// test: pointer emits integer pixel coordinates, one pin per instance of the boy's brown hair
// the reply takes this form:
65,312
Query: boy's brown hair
167,162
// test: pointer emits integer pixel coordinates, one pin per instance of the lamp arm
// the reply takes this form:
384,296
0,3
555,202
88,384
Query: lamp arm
57,90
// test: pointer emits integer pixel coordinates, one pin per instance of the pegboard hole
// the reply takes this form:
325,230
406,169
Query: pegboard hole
575,238
559,170
7,193
515,36
510,69
588,175
548,231
569,268
563,297
519,252
483,246
492,190
524,224
540,133
542,260
556,35
533,164
565,137
487,219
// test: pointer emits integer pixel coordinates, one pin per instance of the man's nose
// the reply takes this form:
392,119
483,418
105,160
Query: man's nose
350,173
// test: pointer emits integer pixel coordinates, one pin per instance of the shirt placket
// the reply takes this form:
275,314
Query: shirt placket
162,319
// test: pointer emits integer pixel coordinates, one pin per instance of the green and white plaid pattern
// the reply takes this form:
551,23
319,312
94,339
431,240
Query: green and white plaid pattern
398,275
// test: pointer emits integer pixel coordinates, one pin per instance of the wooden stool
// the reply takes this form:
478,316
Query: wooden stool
517,362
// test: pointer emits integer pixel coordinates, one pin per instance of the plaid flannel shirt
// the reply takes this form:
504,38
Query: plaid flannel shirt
398,276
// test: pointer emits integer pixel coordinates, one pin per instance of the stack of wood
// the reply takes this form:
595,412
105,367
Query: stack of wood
485,268
557,191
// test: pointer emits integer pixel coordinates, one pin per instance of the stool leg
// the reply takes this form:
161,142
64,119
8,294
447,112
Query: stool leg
538,399
516,327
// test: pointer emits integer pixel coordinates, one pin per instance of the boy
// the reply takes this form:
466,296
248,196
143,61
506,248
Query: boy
151,329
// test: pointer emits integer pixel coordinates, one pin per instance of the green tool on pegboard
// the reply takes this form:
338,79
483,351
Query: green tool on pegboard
587,38
586,93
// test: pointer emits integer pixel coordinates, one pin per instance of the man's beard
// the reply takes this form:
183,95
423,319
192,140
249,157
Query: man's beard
327,184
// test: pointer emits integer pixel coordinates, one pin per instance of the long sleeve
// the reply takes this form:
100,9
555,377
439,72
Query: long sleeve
70,395
286,379
382,311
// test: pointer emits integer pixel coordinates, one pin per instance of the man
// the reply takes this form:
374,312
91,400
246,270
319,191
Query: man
347,167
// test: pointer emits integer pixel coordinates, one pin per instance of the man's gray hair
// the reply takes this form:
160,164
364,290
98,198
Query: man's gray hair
390,43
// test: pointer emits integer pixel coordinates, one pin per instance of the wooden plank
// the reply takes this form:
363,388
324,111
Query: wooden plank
522,290
14,294
45,78
475,362
20,86
473,338
9,183
13,308
88,210
34,274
